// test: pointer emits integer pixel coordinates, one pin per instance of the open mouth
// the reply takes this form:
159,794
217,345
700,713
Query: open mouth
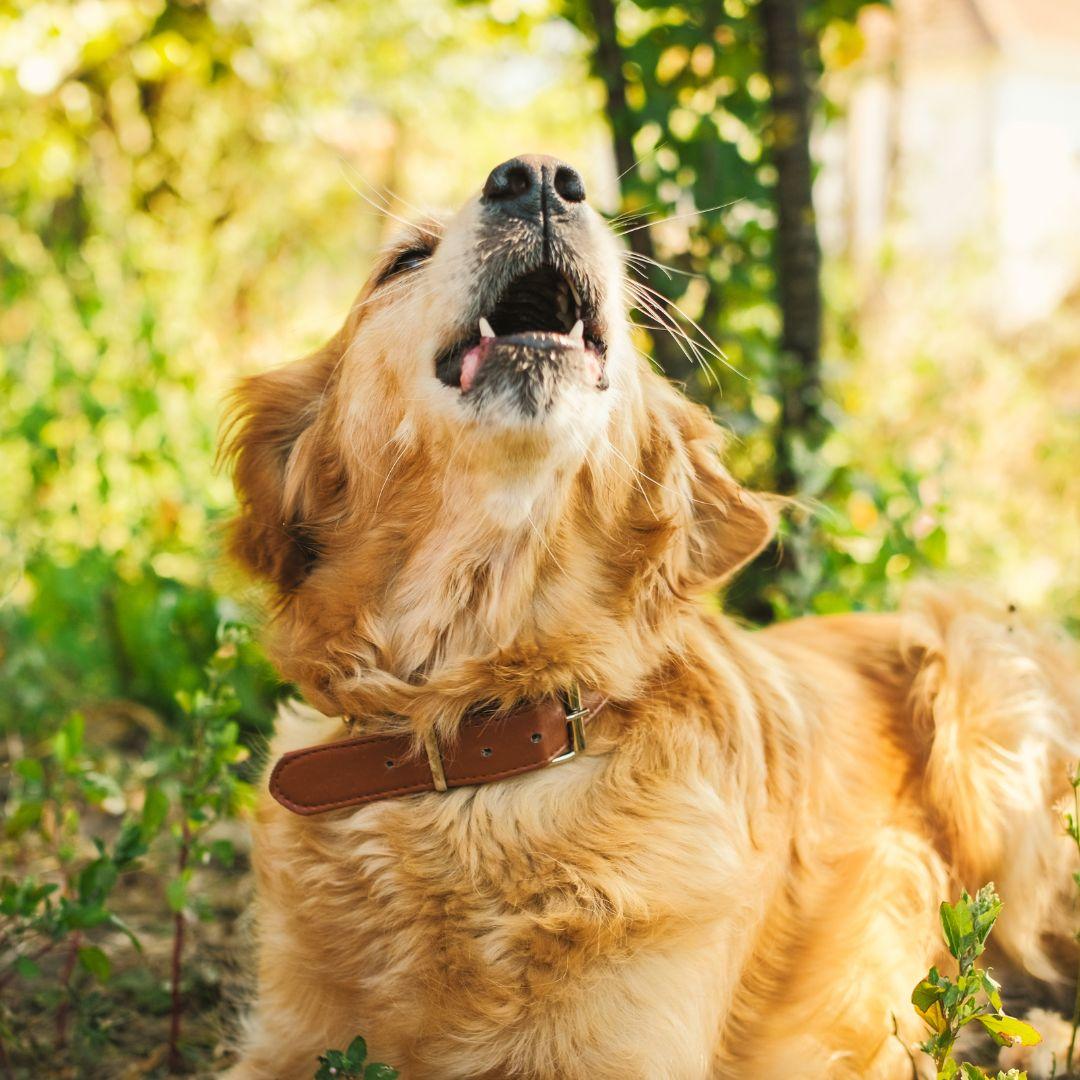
541,315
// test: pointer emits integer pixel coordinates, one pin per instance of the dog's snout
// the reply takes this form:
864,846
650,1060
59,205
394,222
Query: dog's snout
533,186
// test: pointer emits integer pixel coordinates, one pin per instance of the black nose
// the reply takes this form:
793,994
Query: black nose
532,185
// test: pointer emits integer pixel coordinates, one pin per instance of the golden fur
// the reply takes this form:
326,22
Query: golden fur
740,878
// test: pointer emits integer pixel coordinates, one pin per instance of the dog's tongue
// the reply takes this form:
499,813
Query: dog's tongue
472,362
478,355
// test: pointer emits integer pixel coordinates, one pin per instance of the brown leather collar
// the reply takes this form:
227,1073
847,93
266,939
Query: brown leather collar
489,747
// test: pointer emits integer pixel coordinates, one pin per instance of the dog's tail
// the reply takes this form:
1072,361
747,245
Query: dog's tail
998,702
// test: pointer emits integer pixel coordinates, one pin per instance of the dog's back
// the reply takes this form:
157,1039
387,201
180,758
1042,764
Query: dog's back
968,773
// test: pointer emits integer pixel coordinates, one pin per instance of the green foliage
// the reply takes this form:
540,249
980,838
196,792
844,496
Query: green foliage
349,1065
58,928
857,542
98,631
1072,828
696,113
698,116
946,1005
199,767
51,797
200,760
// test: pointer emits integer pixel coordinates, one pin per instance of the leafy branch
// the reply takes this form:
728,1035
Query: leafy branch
349,1065
37,918
208,791
947,1006
1072,827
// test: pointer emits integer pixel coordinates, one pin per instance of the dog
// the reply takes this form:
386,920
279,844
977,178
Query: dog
478,502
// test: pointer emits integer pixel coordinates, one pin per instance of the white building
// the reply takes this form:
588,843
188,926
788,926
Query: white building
961,147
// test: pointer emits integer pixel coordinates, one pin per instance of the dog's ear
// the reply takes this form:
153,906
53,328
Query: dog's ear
269,443
725,524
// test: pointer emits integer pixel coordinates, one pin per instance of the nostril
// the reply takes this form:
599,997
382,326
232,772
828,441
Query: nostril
568,184
518,180
510,180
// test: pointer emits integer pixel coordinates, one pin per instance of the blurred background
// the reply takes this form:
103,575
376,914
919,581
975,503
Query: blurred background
868,220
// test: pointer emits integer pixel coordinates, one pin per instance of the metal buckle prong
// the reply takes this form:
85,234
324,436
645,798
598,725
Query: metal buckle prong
435,762
575,725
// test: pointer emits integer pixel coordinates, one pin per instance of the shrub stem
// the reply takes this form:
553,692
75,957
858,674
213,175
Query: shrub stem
65,982
176,1061
1074,832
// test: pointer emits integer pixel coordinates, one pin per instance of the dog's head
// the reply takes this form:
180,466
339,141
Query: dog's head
479,464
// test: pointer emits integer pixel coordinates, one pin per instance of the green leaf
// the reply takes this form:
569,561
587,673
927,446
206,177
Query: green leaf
155,810
986,911
333,1059
129,845
68,743
176,894
992,989
115,920
223,853
950,924
26,816
377,1071
95,961
926,997
356,1052
971,1072
25,968
97,880
1008,1031
85,916
30,769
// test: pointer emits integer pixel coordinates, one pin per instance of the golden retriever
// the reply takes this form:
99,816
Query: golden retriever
479,492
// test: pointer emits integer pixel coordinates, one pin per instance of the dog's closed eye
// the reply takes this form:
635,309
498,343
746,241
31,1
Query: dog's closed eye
409,259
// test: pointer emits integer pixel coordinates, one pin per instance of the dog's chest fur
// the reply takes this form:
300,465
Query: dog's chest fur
532,921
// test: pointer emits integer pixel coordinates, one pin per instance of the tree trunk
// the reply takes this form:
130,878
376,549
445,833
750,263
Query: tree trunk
608,63
798,256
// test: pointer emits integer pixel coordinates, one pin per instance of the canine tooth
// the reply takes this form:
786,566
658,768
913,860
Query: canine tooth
578,332
485,328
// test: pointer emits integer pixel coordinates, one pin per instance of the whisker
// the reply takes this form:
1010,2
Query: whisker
385,209
629,215
636,256
637,161
678,334
387,194
643,290
679,217
717,351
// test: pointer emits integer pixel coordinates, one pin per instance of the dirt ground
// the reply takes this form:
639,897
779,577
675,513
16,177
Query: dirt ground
121,1032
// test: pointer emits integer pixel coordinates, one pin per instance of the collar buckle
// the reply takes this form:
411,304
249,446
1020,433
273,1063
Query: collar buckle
576,712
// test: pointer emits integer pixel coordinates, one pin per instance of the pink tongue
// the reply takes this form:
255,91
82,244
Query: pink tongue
471,363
